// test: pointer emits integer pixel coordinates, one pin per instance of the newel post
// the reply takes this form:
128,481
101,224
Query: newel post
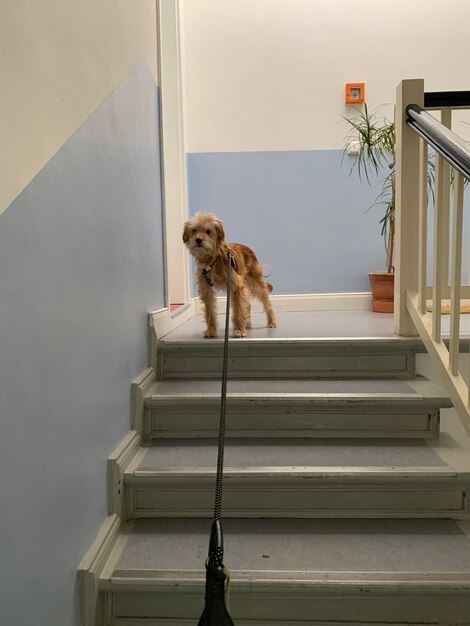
406,203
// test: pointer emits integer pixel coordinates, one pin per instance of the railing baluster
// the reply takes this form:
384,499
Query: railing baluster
446,117
451,151
456,278
406,205
437,249
446,120
423,224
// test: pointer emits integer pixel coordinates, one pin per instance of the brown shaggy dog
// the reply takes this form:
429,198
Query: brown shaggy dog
205,238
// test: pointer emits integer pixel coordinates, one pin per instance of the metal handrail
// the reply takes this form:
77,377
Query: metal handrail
451,146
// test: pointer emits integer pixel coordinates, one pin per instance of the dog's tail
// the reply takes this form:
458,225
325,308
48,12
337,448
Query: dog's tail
270,287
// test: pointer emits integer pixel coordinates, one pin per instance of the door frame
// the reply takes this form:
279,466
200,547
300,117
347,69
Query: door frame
173,150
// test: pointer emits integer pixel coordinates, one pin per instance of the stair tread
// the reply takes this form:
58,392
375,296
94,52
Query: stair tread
330,325
301,324
391,454
277,548
364,390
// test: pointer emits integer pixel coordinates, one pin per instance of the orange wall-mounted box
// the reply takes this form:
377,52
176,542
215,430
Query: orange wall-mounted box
355,93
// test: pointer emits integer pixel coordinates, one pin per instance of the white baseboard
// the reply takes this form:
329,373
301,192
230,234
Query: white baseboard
305,302
117,463
164,321
92,565
139,388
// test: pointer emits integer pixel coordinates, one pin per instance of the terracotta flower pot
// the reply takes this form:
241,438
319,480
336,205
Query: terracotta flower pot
382,285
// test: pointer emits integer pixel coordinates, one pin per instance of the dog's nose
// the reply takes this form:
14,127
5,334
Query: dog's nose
198,240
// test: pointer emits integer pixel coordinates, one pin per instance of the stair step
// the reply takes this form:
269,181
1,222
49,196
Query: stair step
344,502
309,344
295,408
289,358
295,572
296,478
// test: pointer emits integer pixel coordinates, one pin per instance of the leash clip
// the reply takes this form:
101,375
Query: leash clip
232,260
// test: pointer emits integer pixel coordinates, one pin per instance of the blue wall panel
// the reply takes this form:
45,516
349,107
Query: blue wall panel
81,261
302,212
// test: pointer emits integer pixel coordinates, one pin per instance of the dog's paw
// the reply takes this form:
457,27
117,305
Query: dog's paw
272,324
239,333
212,332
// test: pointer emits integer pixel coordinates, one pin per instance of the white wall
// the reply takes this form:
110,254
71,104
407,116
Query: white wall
58,61
264,85
270,74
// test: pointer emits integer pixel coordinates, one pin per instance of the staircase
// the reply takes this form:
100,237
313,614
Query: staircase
344,501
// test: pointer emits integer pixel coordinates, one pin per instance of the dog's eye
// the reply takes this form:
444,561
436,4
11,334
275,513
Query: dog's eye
193,231
208,232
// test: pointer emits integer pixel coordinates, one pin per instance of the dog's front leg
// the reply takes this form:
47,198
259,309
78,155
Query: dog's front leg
208,297
240,306
248,319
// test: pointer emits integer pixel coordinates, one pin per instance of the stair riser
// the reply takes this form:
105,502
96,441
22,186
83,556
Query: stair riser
169,621
261,361
277,606
250,498
263,418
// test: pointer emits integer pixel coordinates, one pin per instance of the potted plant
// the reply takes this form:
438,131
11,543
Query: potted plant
371,141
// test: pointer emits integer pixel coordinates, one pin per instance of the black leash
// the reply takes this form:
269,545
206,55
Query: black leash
216,544
215,612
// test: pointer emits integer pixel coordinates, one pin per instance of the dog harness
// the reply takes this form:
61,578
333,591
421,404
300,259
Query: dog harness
207,271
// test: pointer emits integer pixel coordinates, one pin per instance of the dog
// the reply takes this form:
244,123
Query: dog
204,237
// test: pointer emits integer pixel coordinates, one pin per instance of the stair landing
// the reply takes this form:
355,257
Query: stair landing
356,324
300,325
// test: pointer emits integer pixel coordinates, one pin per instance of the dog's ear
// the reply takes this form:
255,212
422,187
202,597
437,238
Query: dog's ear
219,230
186,232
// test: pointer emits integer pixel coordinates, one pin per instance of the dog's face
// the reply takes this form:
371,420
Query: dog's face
203,234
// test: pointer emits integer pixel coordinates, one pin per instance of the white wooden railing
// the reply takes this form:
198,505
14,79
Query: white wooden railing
415,131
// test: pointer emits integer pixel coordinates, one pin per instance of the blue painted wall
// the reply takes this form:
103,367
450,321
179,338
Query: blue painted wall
81,264
301,211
